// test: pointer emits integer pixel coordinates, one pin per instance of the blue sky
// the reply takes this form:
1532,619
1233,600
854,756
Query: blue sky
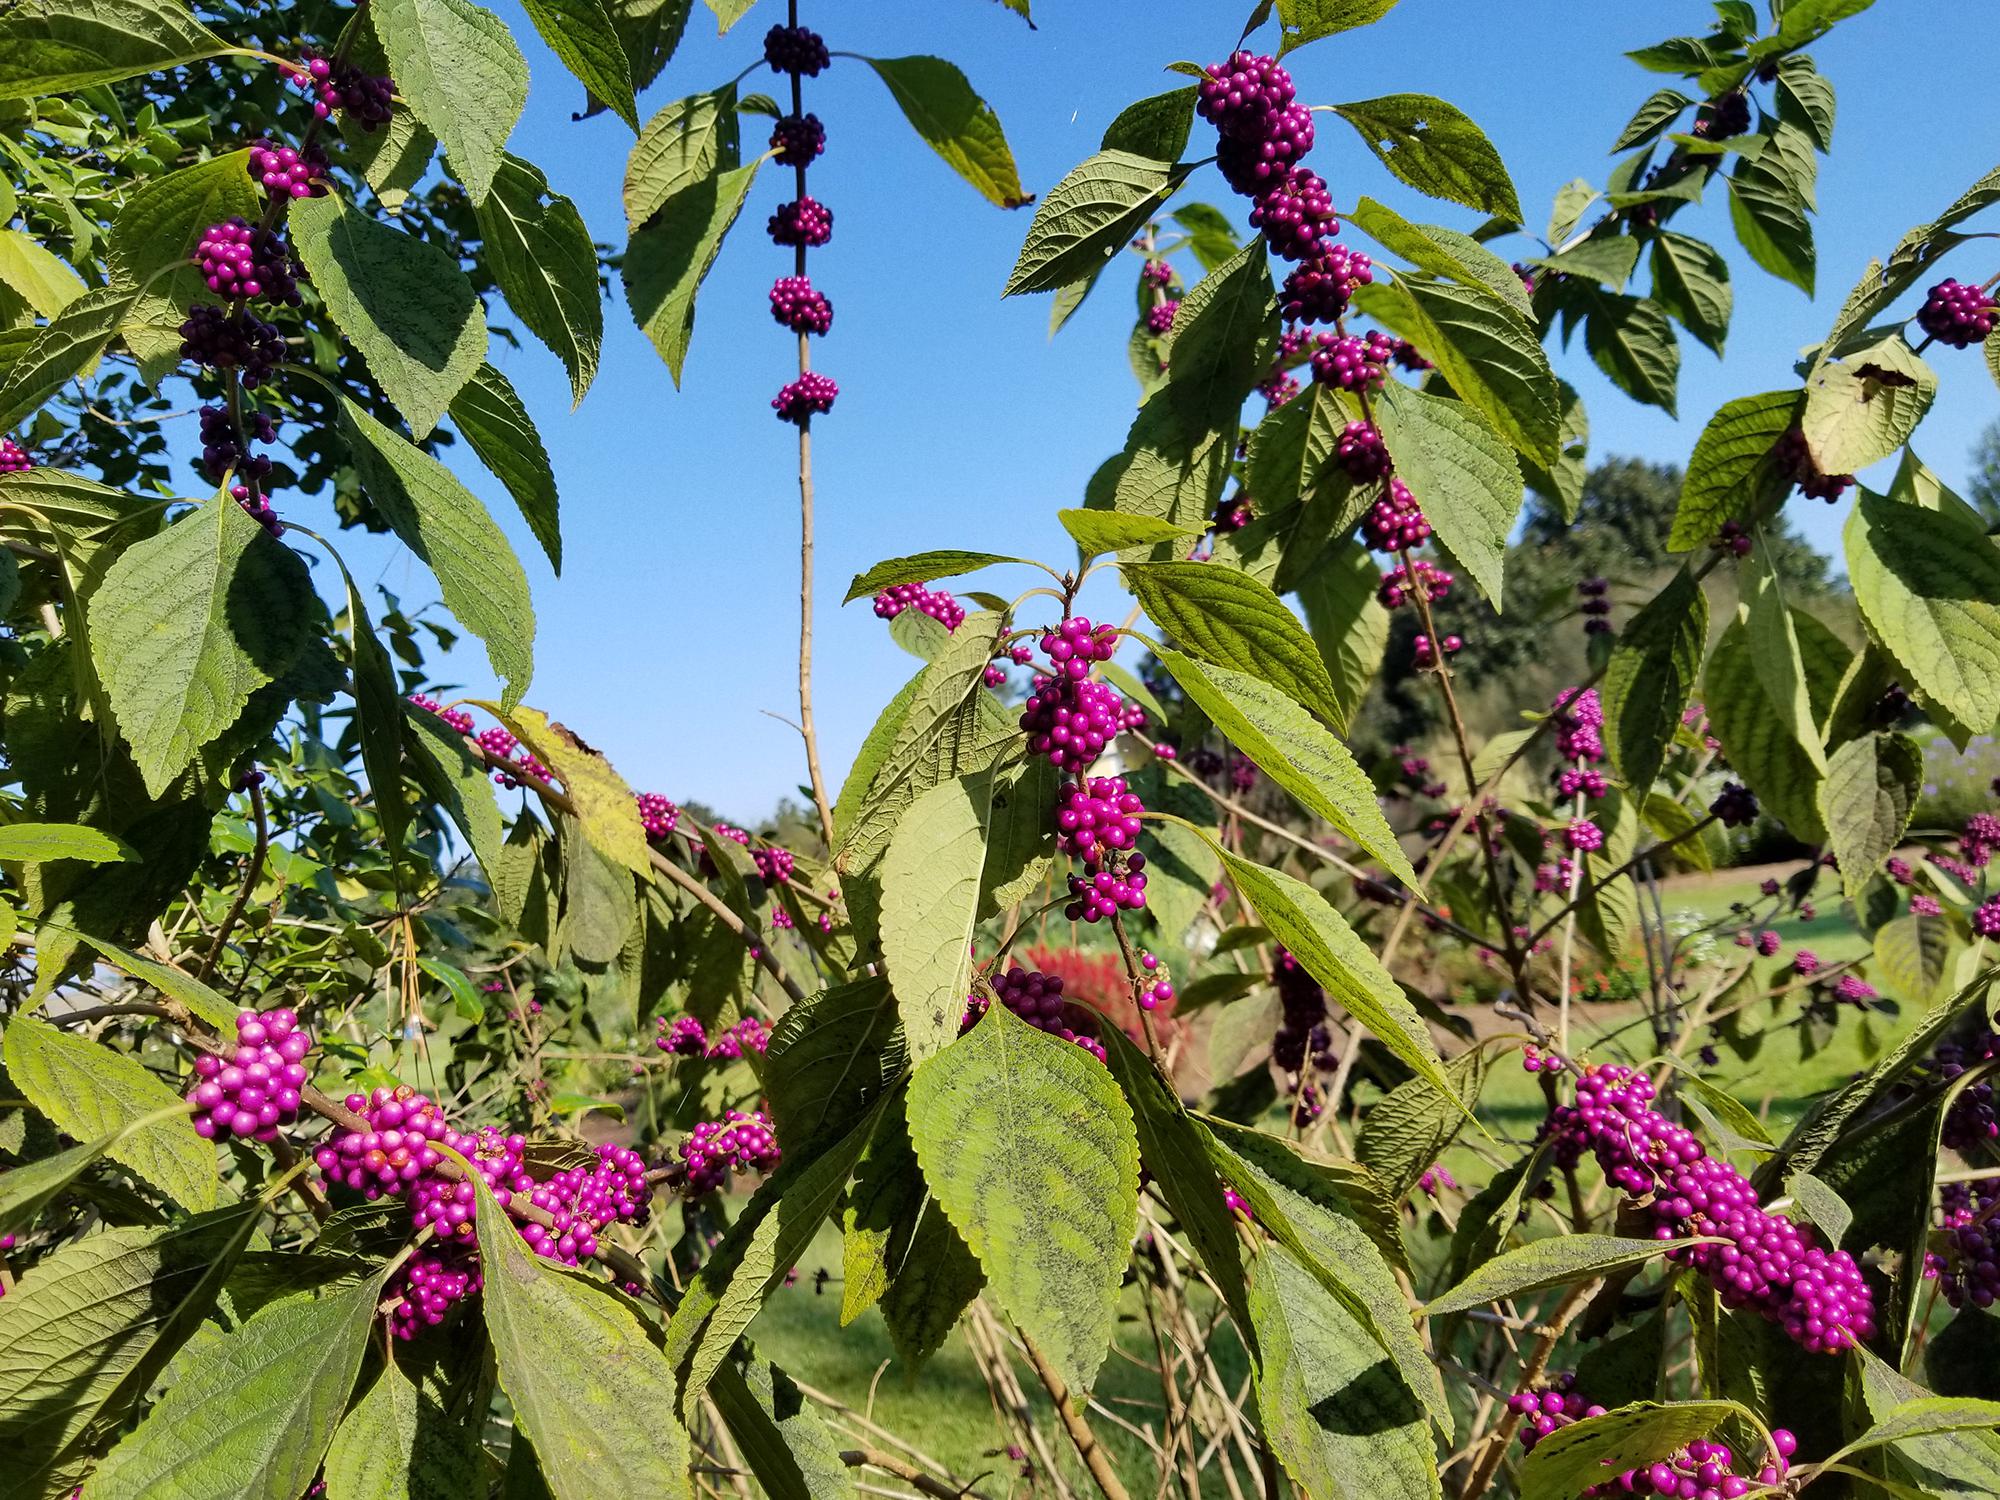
961,424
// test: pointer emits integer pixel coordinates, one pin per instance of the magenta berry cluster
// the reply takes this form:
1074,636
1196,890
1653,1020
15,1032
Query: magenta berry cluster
684,1037
1583,837
1702,1470
799,401
1294,214
796,50
1156,273
1957,314
1319,290
1160,316
1156,988
747,1035
502,746
287,172
364,98
252,1089
447,1206
795,305
1394,523
239,259
803,223
1070,717
1579,715
1036,998
236,341
1352,362
940,606
398,1147
14,459
1302,1027
737,1143
585,1201
1967,1263
1970,1123
1106,888
658,816
455,718
773,864
1765,1263
1362,453
1096,817
1436,1179
1403,583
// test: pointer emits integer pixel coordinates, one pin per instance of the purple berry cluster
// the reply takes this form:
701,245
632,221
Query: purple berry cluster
1302,1028
1160,316
1957,314
1766,1263
236,341
1794,457
796,50
223,451
747,1035
795,305
940,606
1595,606
1970,1123
286,171
1966,1264
252,1089
1401,584
1701,1471
1352,362
502,746
585,1201
1070,717
799,401
1320,290
657,815
684,1037
241,260
804,223
736,1143
432,1282
1096,817
773,864
799,140
364,98
1362,453
456,718
14,459
1155,991
1036,998
1394,523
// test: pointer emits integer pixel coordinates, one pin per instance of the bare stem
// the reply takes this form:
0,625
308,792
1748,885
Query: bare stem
251,874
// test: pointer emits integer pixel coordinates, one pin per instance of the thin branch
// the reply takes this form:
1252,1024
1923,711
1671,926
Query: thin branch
251,874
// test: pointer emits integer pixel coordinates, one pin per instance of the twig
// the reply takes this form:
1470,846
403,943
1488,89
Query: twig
1095,1459
251,874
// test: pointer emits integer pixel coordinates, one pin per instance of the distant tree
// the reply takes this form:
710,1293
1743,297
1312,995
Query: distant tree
1984,489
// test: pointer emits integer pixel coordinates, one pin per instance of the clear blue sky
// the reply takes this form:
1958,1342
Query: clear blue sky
960,424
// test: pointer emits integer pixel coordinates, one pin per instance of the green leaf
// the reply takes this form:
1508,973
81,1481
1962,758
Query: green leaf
671,255
171,982
1546,1263
1347,622
163,221
604,803
1408,1128
1691,285
1336,1414
1610,905
1566,212
1156,128
59,46
1296,752
588,1387
1864,406
463,995
404,303
1732,472
1806,100
1912,953
1632,342
398,1444
449,776
1302,21
931,1289
90,1091
1563,482
1461,474
458,68
439,519
1100,531
1606,258
1222,338
1435,148
1490,354
1760,746
38,843
39,276
1320,939
1574,1458
1821,1204
954,122
691,139
1775,653
66,347
1768,199
1928,584
1871,788
1442,252
832,1059
188,624
1651,675
1231,620
582,35
1020,835
923,567
869,759
930,906
787,1444
1088,217
1211,236
541,255
250,1413
491,416
1031,1149
85,1332
1658,112
1926,1416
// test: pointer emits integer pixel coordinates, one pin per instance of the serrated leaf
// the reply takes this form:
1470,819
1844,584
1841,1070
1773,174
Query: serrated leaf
1296,752
1156,128
491,416
1031,1149
250,1413
397,1444
1650,677
1576,1457
1606,258
1088,217
581,33
58,46
1767,204
1347,622
831,1059
463,76
541,255
188,624
691,139
38,843
1928,584
1020,835
1460,473
955,122
1691,284
605,806
1822,1205
66,347
1222,338
786,1442
1328,949
1435,148
1776,655
922,567
1912,953
404,303
1732,471
930,905
36,274
1659,111
1633,343
1303,21
1408,1128
1442,252
1097,532
171,982
1229,619
1871,788
1865,405
163,221
671,254
1758,743
1335,1413
588,1387
1610,905
437,518
1926,1416
449,776
1546,1263
931,1289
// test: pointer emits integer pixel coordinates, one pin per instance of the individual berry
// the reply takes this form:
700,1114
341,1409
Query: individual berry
238,259
1160,316
798,307
735,1144
795,50
1733,539
1735,806
800,400
798,139
1362,453
804,221
1957,314
1724,116
1394,523
774,865
226,340
1096,817
1319,289
942,607
657,815
14,459
253,1089
284,172
1239,97
1295,214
